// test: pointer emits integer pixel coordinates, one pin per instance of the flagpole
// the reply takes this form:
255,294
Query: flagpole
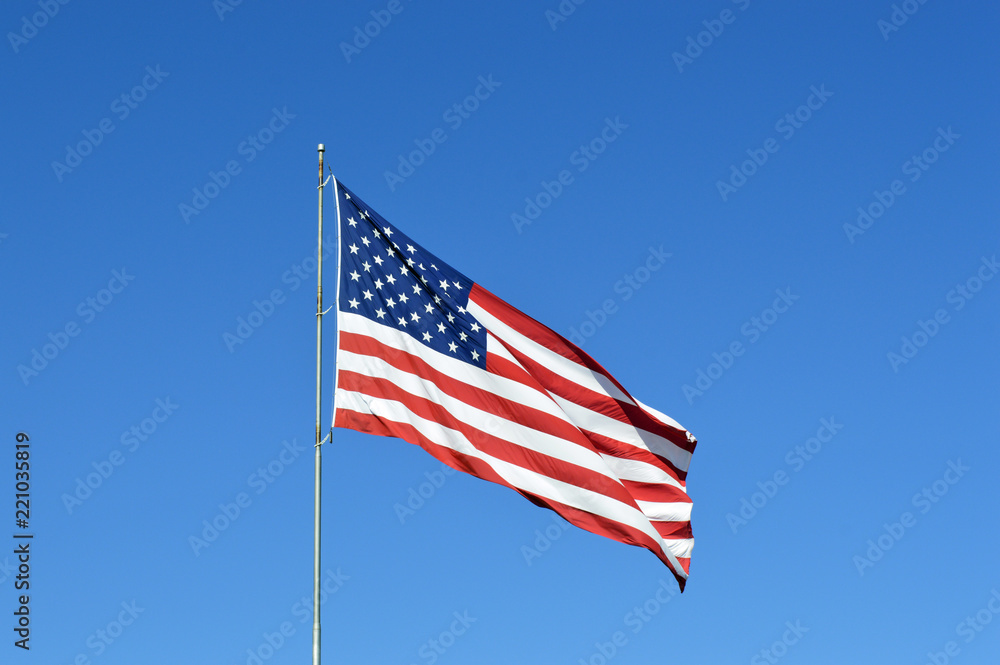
317,506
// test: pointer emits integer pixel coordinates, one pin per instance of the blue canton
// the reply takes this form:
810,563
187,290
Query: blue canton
388,278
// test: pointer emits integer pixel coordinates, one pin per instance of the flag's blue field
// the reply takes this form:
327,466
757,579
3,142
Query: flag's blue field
775,223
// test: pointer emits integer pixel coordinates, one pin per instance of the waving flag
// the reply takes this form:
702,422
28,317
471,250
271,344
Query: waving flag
427,355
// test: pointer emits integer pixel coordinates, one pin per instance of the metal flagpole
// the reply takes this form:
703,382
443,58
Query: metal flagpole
319,443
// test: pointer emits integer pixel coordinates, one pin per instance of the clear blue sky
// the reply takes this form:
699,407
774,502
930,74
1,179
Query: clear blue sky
119,118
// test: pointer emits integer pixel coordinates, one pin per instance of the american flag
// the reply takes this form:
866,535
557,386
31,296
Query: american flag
427,355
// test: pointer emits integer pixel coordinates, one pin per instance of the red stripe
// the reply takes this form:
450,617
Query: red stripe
658,492
673,530
556,343
514,411
470,394
546,379
625,450
483,399
486,442
474,466
615,447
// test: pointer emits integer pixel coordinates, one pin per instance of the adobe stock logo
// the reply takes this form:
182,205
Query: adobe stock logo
260,480
122,106
898,18
29,28
455,116
752,329
563,11
418,496
786,126
381,19
249,149
131,440
581,158
627,287
635,620
60,340
714,28
958,298
796,458
435,647
924,501
914,168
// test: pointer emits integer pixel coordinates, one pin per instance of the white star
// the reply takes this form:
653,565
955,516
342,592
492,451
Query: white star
390,252
380,312
388,231
402,321
365,214
475,327
353,248
444,285
437,300
390,279
354,303
410,249
415,317
378,284
365,240
368,296
452,347
416,289
410,262
350,220
424,280
461,310
347,196
402,297
427,337
390,302
429,308
377,234
433,267
354,275
451,318
378,260
457,285
475,355
441,327
368,266
403,270
463,336
421,266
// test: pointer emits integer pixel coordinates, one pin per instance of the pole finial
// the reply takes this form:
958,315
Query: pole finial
322,148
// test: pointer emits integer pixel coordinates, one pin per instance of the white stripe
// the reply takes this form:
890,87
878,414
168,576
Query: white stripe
666,512
662,417
515,391
516,476
680,548
641,472
598,423
564,367
491,423
580,416
459,370
621,468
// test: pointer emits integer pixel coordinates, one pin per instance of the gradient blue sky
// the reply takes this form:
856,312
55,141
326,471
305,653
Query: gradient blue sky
224,76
